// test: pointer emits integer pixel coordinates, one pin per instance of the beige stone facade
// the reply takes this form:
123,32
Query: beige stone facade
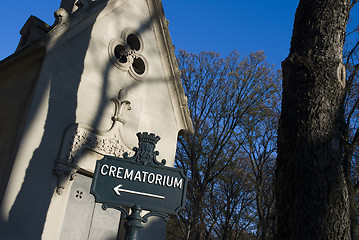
72,93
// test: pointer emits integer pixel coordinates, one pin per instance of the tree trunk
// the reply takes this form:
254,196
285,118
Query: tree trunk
311,192
352,191
262,224
195,233
197,209
354,228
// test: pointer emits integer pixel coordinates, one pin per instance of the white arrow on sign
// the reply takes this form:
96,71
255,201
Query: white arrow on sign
118,189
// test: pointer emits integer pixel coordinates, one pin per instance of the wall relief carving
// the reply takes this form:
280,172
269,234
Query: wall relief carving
80,137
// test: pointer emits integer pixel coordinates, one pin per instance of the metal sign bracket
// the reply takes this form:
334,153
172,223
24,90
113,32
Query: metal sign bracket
134,220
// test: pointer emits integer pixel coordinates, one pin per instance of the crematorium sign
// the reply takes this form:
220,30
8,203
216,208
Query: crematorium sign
140,180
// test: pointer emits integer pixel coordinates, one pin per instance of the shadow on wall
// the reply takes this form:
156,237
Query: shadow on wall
28,213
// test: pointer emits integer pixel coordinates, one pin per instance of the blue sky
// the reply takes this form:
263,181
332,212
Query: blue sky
195,25
223,26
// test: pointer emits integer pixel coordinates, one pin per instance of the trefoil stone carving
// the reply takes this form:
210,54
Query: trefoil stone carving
126,54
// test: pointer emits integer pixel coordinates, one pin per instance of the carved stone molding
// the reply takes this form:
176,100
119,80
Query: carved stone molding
80,137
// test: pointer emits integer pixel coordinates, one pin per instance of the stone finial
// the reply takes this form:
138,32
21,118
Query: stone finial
68,5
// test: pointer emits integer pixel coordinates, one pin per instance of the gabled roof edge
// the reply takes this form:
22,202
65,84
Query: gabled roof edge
175,70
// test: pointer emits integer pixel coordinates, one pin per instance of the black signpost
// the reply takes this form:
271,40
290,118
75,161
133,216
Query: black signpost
140,183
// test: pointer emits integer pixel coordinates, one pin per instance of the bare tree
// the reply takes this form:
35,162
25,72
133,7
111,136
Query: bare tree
222,95
231,209
351,132
260,149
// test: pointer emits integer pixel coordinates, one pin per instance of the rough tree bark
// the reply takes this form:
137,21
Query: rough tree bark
311,192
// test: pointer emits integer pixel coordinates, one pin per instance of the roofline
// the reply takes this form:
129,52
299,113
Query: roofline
64,21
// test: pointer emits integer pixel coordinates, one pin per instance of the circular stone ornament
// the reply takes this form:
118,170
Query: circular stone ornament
126,55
